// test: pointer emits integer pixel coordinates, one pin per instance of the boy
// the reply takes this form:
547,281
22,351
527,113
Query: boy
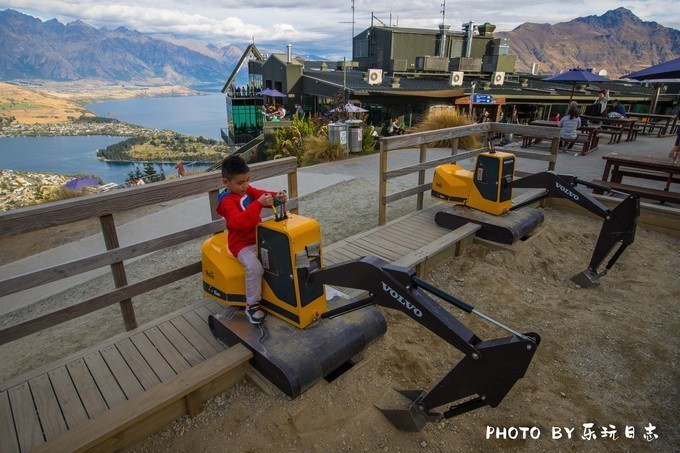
240,205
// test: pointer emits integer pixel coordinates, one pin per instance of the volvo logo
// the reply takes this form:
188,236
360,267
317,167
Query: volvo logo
399,298
567,191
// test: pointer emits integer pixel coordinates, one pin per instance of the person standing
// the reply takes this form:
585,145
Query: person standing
601,102
569,125
180,169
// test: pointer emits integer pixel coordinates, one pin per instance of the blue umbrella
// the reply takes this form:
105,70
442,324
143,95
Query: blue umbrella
577,75
662,72
79,183
668,71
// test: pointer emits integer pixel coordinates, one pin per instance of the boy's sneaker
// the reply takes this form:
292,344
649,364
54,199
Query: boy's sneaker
255,314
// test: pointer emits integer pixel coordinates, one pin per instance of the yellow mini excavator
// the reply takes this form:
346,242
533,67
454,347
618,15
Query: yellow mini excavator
313,336
484,196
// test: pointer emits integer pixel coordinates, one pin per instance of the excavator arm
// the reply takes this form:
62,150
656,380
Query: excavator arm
619,224
483,377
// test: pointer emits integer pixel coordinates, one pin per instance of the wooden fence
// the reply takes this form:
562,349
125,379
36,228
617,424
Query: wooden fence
103,206
422,139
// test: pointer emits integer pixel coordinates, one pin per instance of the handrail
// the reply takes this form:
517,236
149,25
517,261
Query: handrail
103,206
422,139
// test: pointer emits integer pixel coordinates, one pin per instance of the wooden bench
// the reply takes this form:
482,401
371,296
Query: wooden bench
581,139
614,134
644,192
148,412
427,257
647,174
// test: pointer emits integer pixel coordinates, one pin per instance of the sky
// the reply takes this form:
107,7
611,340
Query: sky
322,28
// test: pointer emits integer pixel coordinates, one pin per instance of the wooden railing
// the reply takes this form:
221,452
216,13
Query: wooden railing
104,206
422,139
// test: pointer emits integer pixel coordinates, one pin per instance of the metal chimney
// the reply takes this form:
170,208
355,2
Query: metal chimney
470,31
290,53
443,29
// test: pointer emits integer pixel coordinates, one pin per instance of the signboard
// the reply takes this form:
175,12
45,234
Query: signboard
482,99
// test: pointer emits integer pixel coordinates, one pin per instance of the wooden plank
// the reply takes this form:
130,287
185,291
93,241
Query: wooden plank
384,244
76,267
10,443
201,326
92,399
141,416
375,250
67,395
126,379
396,196
409,240
203,346
137,364
420,255
26,420
155,360
189,355
76,310
366,251
403,171
105,380
49,413
63,212
203,313
112,341
417,138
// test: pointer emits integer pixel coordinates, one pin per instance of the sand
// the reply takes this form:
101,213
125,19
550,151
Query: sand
608,354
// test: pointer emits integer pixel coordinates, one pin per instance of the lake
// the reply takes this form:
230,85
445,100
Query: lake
189,115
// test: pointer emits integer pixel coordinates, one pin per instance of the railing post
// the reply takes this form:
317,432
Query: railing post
421,176
382,187
118,269
554,149
293,187
454,146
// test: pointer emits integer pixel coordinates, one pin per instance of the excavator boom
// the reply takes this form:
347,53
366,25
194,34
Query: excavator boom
619,224
484,376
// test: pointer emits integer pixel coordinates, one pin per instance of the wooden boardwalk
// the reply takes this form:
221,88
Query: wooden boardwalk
45,403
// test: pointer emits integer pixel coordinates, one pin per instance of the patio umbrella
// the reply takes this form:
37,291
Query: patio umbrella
668,71
576,75
79,183
350,108
276,94
265,92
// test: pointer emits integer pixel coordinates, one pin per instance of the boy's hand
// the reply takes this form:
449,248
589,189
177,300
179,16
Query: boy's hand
282,196
266,200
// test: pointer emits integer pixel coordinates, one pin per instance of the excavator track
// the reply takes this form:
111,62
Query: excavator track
504,229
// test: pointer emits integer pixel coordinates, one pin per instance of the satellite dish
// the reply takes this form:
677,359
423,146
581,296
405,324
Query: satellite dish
603,73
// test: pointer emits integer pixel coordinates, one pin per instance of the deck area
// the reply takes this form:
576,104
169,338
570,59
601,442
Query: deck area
46,403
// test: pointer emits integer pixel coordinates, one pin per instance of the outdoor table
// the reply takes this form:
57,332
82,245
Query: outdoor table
624,124
618,165
590,130
666,129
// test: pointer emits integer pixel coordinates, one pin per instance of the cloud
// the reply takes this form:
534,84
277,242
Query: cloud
322,27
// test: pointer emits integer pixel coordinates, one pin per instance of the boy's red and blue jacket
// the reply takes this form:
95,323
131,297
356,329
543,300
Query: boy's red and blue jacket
242,213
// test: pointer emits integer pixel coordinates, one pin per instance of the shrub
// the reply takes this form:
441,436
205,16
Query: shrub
369,143
442,119
319,149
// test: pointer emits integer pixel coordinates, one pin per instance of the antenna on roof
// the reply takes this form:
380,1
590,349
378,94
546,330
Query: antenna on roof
351,22
443,11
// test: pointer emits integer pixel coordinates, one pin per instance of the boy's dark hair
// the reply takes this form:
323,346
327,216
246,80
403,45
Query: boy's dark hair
234,165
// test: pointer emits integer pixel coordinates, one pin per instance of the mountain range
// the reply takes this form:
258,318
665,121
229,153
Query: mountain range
617,41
